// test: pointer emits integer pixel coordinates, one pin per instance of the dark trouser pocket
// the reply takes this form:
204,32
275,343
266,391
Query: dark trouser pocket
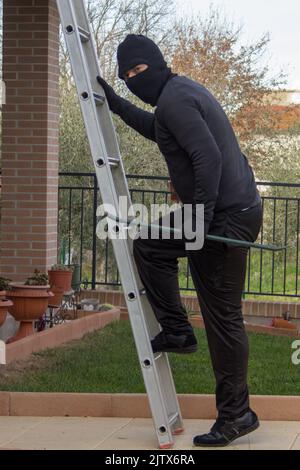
244,225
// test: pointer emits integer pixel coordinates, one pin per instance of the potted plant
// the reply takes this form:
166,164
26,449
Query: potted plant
75,265
76,281
284,322
60,276
4,302
30,301
4,286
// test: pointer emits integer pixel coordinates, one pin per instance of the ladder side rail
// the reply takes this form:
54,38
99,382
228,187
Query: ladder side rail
107,127
109,195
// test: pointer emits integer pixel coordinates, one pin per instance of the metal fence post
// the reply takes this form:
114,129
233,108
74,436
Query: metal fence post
94,259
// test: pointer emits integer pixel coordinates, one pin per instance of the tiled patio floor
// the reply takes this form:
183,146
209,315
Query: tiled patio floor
126,433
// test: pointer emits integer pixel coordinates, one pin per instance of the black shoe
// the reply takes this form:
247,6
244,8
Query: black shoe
224,431
168,342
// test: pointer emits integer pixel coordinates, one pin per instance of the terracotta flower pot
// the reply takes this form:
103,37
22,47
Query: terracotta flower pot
61,279
29,304
2,294
4,306
58,293
281,323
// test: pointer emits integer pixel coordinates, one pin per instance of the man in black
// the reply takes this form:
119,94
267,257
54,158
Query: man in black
206,166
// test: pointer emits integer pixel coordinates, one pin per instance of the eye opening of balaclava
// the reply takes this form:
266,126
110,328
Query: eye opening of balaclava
147,85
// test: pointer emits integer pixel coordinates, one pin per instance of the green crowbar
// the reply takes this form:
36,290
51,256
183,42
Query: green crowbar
228,241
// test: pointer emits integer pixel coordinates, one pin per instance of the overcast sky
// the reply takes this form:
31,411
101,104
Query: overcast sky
281,18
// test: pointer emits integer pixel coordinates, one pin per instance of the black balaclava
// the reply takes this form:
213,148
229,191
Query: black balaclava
147,85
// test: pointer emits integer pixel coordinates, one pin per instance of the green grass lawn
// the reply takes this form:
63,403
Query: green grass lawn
106,362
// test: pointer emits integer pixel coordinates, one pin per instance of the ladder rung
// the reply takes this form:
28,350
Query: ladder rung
173,418
115,162
100,100
84,35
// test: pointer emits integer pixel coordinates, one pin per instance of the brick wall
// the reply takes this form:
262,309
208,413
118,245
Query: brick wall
30,137
251,308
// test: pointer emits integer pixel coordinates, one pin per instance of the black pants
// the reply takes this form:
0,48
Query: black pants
218,271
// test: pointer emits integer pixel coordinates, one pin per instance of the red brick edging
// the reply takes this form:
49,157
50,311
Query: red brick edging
197,322
60,334
269,408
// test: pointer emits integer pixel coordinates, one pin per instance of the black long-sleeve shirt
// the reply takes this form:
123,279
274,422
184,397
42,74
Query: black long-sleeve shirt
203,156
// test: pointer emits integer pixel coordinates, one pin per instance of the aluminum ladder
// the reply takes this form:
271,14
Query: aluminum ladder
112,182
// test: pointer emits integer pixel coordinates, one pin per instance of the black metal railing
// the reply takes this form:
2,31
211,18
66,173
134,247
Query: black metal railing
268,274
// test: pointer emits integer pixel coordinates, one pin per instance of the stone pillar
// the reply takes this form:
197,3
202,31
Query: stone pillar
29,137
